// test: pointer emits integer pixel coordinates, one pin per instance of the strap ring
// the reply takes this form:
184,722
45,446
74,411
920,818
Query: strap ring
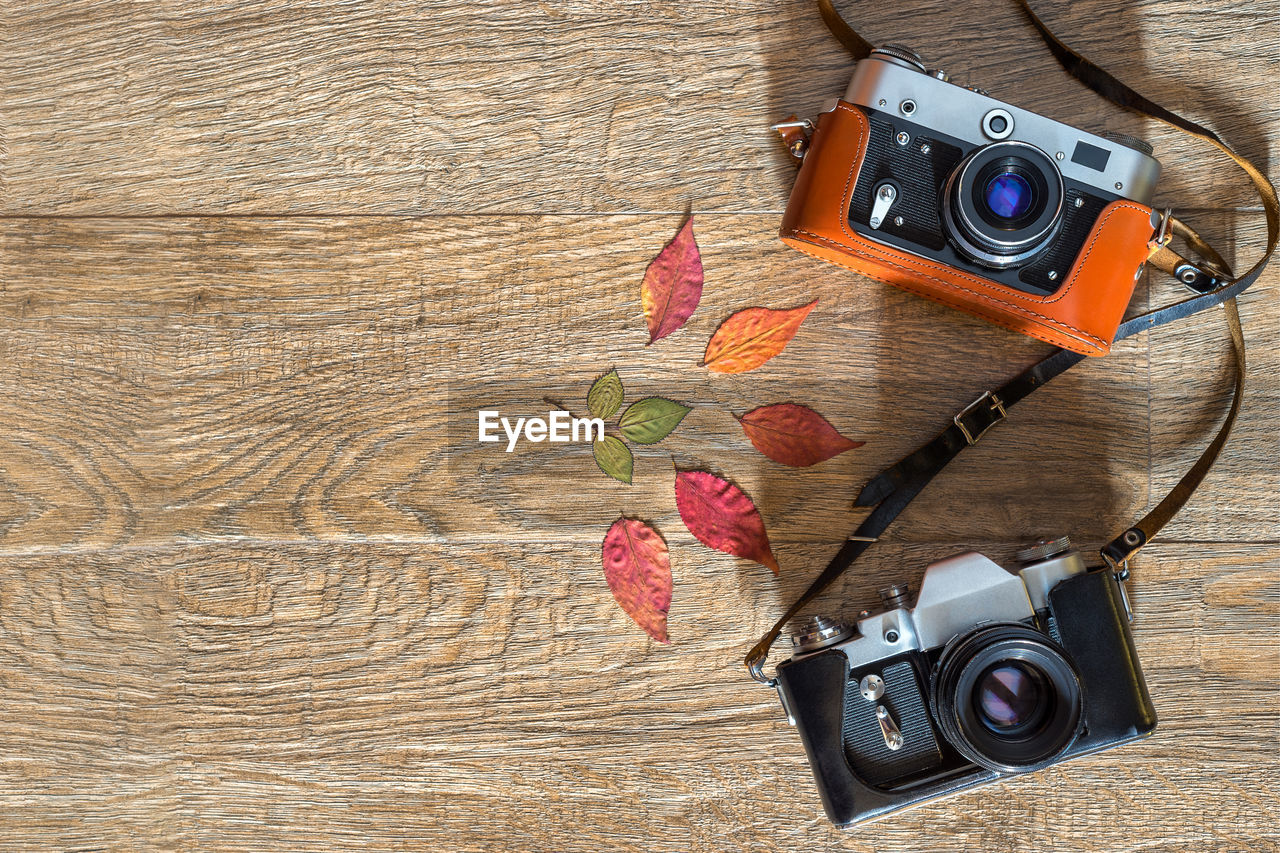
1119,568
755,666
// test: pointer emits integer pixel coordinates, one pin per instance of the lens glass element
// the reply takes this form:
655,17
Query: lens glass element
1007,697
1008,194
1010,696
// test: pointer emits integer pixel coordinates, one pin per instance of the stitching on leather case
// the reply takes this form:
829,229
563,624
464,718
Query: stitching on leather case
874,253
865,244
1027,312
967,308
1097,234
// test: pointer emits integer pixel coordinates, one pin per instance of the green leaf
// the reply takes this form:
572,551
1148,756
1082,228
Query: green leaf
614,458
650,420
605,397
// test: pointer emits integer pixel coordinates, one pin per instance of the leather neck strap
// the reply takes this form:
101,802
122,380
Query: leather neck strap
1211,282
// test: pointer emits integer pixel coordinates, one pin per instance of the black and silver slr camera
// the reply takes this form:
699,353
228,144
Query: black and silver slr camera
989,673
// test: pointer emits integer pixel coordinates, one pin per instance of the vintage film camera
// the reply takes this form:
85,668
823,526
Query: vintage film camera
990,673
949,193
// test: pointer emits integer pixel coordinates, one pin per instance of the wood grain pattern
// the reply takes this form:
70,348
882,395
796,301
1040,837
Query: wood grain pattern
260,588
321,408
571,106
316,697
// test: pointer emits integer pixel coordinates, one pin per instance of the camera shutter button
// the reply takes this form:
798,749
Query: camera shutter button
895,596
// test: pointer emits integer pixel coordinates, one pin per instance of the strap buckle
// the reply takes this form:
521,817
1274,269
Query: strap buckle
996,407
1197,279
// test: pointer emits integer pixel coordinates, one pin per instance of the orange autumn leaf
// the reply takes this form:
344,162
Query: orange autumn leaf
751,337
794,435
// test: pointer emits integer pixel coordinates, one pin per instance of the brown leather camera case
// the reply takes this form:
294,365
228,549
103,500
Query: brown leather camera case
1081,316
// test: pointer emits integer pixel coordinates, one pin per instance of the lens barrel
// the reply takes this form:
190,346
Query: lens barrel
1007,698
1002,205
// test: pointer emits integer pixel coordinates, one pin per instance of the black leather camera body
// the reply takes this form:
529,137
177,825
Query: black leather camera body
989,674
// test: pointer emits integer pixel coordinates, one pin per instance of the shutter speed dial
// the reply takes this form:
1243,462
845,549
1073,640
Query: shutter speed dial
903,55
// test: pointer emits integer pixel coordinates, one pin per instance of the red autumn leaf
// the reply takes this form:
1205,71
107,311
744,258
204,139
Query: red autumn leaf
751,337
638,570
794,435
721,516
672,284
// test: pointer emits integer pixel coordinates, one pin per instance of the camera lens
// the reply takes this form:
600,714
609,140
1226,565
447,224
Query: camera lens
1011,696
1008,195
1002,205
1007,698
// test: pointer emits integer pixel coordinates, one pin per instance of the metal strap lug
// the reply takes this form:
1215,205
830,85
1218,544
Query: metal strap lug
1120,571
795,135
791,718
1161,237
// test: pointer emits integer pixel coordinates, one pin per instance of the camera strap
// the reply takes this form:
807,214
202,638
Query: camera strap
1210,281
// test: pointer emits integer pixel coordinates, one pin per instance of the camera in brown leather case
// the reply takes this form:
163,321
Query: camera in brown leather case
948,193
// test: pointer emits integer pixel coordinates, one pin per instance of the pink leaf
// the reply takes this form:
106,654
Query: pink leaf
721,516
638,570
672,284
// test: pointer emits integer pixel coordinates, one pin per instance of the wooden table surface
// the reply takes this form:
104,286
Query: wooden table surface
260,589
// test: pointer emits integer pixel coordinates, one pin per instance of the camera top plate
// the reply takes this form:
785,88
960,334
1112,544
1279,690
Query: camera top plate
883,84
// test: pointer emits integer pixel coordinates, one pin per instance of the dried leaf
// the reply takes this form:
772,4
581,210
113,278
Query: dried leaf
672,284
638,569
721,516
751,337
650,420
614,458
605,397
794,435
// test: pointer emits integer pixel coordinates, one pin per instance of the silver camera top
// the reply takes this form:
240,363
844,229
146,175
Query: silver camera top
956,594
893,79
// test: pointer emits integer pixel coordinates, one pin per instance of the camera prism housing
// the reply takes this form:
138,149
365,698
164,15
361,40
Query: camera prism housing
951,194
990,673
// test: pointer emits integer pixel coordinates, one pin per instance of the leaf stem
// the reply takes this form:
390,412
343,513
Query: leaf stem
561,406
